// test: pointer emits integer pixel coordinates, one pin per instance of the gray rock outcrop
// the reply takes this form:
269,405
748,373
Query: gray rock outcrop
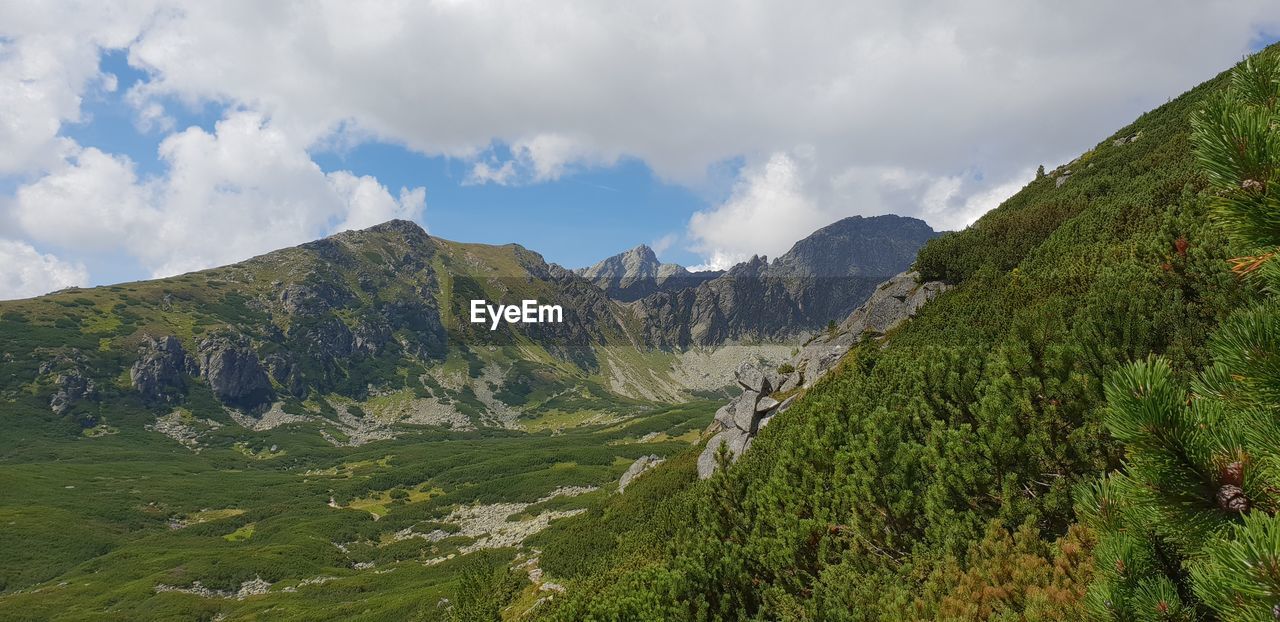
893,302
739,420
234,373
737,423
72,387
68,372
642,464
161,371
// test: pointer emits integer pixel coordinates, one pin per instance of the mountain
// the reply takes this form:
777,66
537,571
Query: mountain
872,246
820,280
636,273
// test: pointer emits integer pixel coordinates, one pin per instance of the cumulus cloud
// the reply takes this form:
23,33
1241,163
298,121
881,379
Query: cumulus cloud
789,196
244,189
27,272
682,85
48,58
768,210
93,203
934,108
492,173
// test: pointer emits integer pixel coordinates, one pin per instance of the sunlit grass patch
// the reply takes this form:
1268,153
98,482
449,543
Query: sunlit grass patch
241,534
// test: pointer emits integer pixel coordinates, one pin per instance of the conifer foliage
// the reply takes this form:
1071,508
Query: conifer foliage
1188,529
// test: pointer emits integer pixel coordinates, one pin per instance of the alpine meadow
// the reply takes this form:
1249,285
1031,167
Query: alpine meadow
1066,410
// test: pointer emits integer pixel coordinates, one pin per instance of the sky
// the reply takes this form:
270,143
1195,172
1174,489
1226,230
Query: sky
146,139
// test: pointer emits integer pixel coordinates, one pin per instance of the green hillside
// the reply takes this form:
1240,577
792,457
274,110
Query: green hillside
933,478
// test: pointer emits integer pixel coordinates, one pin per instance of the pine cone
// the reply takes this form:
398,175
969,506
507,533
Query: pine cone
1251,185
1233,474
1231,499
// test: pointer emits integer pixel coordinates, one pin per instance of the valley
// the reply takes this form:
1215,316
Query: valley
281,436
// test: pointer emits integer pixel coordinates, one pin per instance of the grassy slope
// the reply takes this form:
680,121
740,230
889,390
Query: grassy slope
87,519
873,490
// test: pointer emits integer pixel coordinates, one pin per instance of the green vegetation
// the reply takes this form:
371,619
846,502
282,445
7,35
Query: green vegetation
1188,528
94,525
932,477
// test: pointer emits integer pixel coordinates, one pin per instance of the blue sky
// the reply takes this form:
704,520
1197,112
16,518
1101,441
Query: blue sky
150,137
575,220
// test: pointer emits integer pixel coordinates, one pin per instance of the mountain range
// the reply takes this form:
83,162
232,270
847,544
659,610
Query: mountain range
386,309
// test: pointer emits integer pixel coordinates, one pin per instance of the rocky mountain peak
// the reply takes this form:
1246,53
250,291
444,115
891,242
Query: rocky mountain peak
638,272
642,253
872,246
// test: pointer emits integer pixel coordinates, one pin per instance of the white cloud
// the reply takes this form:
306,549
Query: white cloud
983,201
244,189
368,202
27,272
491,173
92,203
48,58
936,89
900,104
545,157
768,211
788,197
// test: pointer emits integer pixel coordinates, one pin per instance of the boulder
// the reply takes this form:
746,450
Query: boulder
772,380
707,459
764,421
752,378
744,411
766,404
791,381
778,410
735,440
893,302
234,373
724,416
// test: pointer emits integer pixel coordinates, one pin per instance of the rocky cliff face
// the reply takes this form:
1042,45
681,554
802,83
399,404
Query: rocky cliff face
737,423
637,273
234,373
820,280
161,371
